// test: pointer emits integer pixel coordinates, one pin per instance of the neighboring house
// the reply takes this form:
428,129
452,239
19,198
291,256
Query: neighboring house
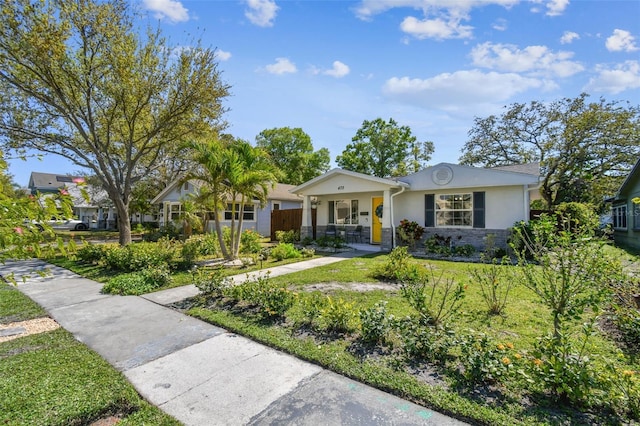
625,214
466,203
258,219
98,212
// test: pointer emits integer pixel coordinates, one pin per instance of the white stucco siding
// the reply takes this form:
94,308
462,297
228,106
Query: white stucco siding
503,205
340,185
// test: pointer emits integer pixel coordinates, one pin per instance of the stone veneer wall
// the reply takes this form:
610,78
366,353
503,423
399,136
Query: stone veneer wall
474,236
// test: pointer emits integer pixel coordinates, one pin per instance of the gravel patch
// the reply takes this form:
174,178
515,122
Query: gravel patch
24,328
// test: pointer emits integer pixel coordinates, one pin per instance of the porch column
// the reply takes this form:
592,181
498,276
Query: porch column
387,240
306,230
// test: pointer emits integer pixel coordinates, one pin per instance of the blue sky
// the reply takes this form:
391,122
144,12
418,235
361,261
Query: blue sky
432,65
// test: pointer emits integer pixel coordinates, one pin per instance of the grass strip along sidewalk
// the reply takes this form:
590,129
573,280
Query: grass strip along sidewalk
49,378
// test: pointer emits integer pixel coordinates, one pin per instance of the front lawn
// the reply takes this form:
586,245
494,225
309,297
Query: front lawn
486,369
51,378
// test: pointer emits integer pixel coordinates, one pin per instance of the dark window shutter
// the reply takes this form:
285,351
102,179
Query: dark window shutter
478,210
429,210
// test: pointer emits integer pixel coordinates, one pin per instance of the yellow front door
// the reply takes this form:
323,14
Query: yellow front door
376,220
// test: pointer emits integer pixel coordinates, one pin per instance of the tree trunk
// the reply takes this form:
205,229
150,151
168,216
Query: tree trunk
223,247
124,228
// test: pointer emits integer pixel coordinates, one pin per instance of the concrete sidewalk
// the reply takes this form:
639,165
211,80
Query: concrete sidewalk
202,374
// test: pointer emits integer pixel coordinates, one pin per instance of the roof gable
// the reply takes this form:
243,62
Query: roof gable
345,181
454,176
632,180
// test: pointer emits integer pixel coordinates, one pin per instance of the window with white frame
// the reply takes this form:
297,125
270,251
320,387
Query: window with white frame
343,212
636,216
454,210
174,211
619,216
248,213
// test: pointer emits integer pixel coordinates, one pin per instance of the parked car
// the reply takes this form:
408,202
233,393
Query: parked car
66,225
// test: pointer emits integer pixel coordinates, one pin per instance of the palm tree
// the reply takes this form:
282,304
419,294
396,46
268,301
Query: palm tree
209,157
235,172
249,176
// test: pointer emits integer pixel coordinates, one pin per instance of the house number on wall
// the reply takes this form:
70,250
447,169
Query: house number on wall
341,187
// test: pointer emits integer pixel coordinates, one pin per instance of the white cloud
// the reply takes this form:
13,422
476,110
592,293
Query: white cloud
222,55
440,19
282,66
624,76
435,28
621,40
500,25
460,90
556,7
568,37
339,70
531,59
261,12
169,9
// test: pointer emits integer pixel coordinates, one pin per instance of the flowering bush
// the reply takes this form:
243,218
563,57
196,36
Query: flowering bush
410,232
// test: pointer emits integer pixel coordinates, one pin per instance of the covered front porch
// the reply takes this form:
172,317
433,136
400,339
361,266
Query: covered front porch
350,205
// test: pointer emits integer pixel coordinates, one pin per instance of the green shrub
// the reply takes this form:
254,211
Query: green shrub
312,305
307,252
167,232
138,256
272,300
423,342
562,368
399,267
210,282
410,232
136,283
465,250
202,245
339,316
438,245
375,324
291,236
484,360
250,242
91,253
118,258
284,251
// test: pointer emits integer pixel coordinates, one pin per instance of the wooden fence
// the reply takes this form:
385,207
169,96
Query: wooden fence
286,220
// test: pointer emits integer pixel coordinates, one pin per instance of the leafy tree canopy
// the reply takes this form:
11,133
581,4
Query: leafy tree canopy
383,149
78,80
292,152
585,149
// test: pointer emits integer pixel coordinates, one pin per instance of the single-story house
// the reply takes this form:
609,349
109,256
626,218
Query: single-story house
625,213
258,219
462,202
96,212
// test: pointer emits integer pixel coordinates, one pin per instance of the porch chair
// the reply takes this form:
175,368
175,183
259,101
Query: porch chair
330,231
355,234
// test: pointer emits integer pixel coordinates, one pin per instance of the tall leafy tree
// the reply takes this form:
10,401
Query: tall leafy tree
383,149
78,80
585,149
292,152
